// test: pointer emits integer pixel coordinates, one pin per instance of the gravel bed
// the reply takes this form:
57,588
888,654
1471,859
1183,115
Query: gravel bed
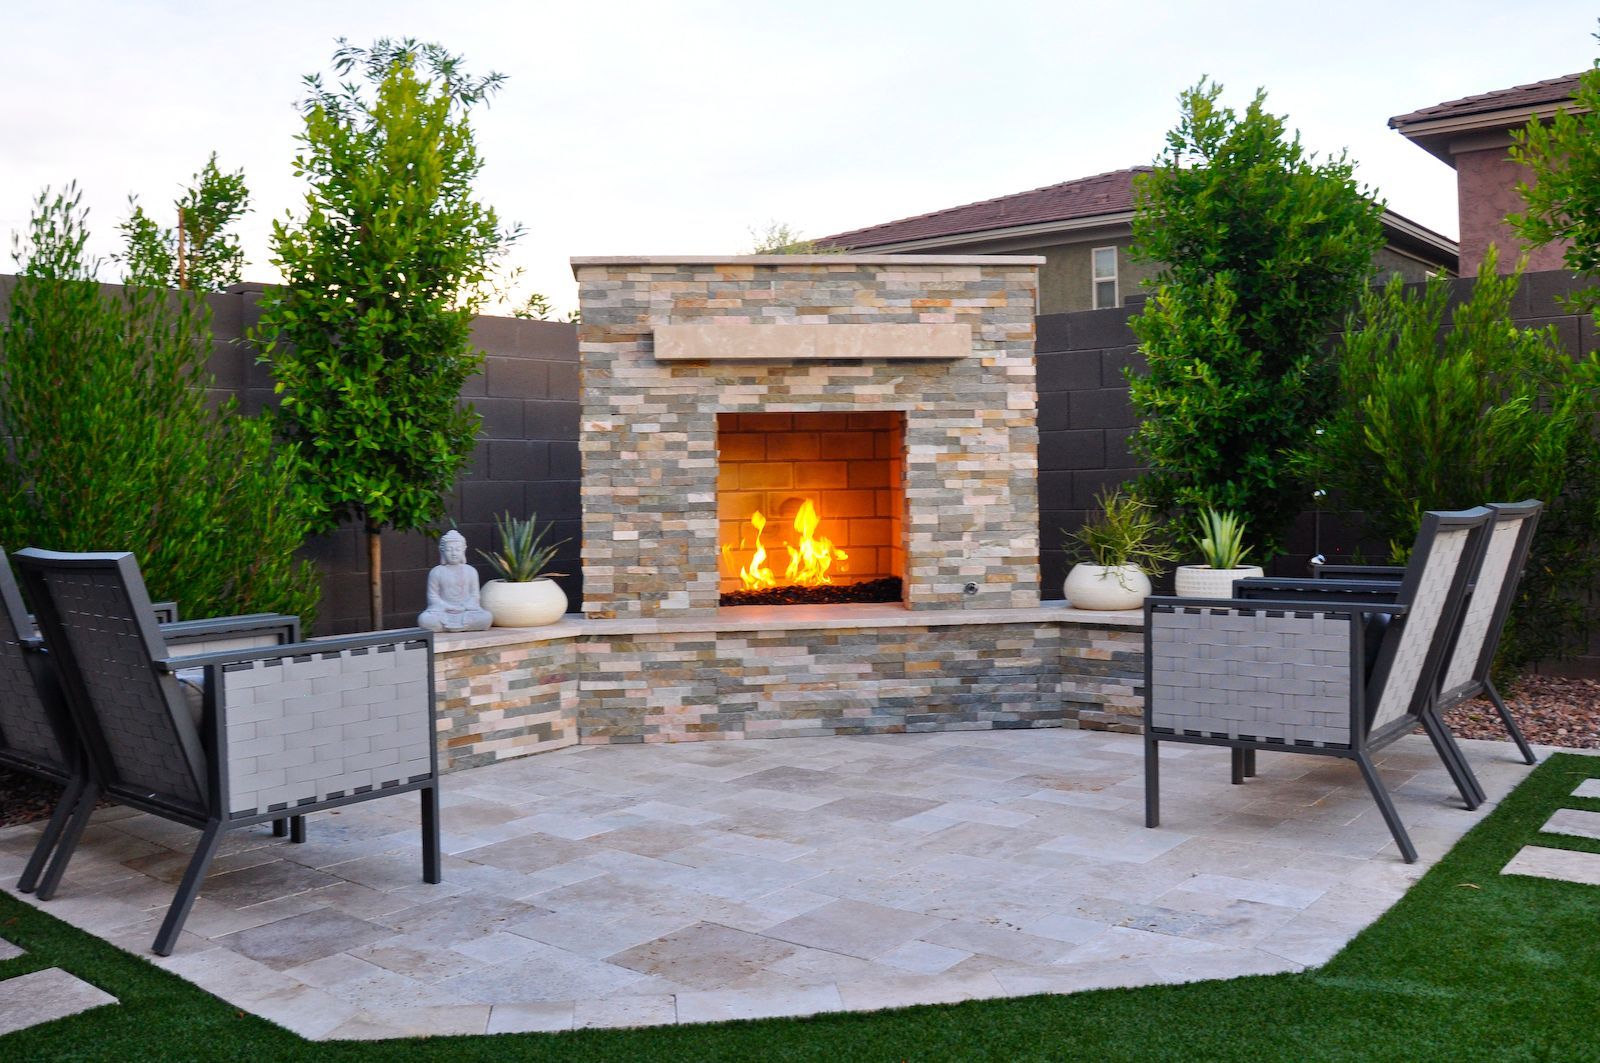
1551,710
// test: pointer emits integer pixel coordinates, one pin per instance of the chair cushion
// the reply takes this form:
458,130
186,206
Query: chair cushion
1373,630
192,681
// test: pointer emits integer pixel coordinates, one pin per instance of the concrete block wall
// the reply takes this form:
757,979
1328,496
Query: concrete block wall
526,460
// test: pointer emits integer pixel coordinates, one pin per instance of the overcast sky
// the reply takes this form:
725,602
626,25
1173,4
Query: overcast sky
671,127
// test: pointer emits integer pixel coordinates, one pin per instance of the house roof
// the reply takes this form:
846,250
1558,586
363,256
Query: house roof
1087,197
1553,90
1104,199
1435,129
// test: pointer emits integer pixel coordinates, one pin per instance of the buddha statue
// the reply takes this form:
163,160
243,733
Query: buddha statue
453,603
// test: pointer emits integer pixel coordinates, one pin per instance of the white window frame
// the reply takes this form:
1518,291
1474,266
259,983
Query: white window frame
1095,280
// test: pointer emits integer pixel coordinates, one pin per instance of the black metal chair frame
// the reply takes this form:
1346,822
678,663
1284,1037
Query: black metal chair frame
52,750
1345,610
199,762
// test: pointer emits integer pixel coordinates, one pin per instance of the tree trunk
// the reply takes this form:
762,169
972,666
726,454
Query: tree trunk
375,574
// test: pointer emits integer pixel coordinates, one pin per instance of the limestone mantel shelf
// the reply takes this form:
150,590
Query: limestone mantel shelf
764,618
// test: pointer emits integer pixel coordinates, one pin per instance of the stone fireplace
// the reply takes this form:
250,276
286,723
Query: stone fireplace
935,354
878,412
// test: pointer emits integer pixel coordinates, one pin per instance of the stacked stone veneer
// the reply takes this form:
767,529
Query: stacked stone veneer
932,354
649,427
504,694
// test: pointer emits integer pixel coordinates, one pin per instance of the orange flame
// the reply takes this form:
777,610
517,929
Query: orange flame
808,563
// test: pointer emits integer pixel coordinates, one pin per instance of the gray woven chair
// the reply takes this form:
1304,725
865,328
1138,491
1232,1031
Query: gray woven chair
1489,600
37,735
281,731
1294,676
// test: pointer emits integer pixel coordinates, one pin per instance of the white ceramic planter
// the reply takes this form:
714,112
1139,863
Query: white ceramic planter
1203,581
1099,587
532,604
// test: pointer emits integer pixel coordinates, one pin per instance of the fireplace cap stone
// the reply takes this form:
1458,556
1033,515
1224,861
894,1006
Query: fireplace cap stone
579,261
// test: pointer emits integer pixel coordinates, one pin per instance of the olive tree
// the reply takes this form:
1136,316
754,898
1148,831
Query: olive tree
1262,247
368,338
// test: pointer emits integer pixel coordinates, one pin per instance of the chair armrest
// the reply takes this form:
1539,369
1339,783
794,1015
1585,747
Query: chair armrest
337,644
1361,572
1325,590
282,629
1291,605
166,612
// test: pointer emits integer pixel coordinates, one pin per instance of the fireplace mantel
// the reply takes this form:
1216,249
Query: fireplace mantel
805,343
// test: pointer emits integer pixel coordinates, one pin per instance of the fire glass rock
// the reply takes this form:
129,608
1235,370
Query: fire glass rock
887,589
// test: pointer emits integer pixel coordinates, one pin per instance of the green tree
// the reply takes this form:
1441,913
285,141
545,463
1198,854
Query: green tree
1563,199
1261,247
780,238
1436,417
368,337
200,253
112,443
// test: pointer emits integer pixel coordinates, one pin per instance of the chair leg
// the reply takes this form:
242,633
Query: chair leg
280,828
297,829
59,818
1380,793
1249,764
68,842
1152,783
1238,765
188,889
431,857
1455,761
1511,724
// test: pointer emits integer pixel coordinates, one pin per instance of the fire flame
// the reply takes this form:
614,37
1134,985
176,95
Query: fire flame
808,563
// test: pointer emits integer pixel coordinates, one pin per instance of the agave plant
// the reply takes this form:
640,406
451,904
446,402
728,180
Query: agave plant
1221,538
523,553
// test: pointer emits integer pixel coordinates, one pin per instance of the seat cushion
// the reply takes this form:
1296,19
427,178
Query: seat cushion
192,681
1375,626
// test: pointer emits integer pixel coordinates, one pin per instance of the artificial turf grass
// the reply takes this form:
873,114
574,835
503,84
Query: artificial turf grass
1470,964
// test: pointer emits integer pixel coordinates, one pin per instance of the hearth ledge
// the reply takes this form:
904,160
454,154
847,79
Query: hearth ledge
763,618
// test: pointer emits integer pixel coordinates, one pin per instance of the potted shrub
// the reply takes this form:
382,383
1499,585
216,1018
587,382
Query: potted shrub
1221,544
1125,545
523,595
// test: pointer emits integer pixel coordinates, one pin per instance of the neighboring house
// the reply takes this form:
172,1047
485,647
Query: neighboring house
1083,229
1471,135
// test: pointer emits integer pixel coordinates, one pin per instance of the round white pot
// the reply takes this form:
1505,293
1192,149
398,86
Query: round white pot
532,604
1203,581
1099,587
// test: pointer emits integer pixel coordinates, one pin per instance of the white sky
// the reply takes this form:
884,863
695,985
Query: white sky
671,127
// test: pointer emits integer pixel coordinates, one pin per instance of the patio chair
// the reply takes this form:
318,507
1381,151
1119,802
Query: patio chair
1505,556
1295,676
232,738
37,736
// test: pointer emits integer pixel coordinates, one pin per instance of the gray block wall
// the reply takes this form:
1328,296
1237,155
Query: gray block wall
526,458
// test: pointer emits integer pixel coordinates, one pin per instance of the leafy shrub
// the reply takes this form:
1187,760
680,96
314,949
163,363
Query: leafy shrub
113,446
1261,248
1431,417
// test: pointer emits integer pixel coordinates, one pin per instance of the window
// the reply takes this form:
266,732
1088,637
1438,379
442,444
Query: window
1104,277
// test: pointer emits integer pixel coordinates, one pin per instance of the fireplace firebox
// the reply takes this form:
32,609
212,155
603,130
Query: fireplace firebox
811,507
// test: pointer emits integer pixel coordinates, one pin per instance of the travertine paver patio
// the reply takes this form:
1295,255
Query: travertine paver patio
610,886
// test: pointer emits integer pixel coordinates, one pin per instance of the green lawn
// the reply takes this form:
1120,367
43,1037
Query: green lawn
1469,965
